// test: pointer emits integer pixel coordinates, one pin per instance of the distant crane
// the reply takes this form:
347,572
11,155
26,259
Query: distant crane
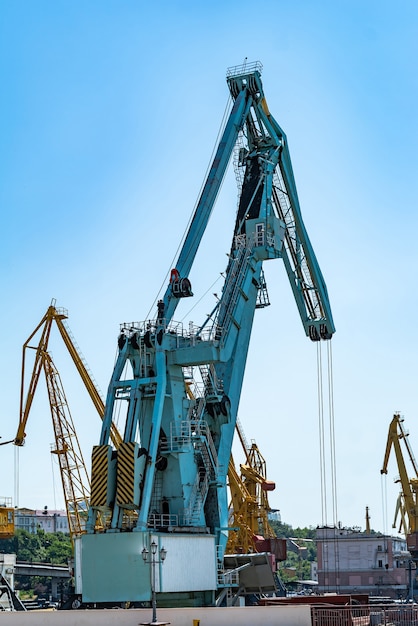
407,503
249,506
74,475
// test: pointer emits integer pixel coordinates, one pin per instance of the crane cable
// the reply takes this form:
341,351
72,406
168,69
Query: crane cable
327,454
321,428
221,129
332,434
16,476
384,494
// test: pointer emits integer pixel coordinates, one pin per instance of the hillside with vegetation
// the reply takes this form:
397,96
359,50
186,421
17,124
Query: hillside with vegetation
301,551
40,547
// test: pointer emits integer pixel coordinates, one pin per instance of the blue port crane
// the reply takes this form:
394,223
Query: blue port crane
176,390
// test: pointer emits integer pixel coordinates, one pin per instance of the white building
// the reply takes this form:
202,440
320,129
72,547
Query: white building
48,520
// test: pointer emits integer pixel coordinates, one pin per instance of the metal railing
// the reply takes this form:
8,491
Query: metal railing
164,520
185,432
228,578
244,68
192,334
197,498
365,615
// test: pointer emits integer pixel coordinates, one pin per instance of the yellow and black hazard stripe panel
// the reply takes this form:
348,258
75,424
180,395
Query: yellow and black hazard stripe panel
100,470
127,489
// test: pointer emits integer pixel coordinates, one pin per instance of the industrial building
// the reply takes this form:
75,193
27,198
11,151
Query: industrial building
350,561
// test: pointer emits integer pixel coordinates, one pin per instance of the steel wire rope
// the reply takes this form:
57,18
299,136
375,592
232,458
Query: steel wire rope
332,435
333,461
16,475
172,264
321,430
384,496
201,297
16,471
322,464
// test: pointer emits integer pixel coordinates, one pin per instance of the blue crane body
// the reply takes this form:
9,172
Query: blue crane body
167,481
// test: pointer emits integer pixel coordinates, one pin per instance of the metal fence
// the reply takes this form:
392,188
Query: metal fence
366,615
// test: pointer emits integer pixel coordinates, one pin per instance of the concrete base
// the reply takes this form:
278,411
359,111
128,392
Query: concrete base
109,568
236,616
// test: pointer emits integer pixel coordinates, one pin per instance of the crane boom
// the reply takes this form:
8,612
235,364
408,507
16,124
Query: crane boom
57,315
269,191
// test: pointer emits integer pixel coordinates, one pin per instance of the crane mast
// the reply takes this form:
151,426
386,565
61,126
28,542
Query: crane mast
168,478
74,477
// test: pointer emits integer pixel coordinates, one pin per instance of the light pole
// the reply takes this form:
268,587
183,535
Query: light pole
153,560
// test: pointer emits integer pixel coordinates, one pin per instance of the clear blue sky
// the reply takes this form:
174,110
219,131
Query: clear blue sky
109,114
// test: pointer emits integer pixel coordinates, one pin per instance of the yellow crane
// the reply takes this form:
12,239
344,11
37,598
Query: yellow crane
249,506
407,503
74,476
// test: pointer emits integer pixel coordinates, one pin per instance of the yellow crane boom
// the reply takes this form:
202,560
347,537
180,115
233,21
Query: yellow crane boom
57,315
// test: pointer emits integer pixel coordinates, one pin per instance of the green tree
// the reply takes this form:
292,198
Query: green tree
59,549
39,547
282,530
298,563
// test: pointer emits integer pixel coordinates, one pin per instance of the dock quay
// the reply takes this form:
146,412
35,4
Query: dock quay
284,615
212,616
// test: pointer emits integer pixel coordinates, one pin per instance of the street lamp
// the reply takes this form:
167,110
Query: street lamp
153,560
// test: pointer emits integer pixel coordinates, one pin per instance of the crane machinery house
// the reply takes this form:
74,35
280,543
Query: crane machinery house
166,481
